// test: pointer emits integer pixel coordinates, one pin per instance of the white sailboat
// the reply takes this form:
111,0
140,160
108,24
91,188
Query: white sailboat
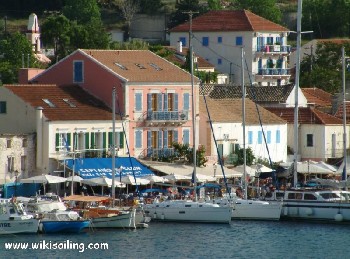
244,208
189,210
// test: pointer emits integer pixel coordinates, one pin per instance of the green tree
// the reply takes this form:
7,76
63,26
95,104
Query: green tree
324,68
264,8
327,18
82,11
214,5
151,7
240,156
13,47
182,7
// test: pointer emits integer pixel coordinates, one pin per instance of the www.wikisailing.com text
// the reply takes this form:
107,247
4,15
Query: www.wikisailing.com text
50,245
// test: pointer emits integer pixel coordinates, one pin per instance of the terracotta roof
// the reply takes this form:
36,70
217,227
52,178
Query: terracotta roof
339,112
260,94
317,96
180,58
229,20
307,115
230,110
139,65
86,107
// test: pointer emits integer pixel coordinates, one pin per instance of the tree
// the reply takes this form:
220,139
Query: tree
326,69
214,5
82,11
182,7
129,8
12,49
264,8
151,7
240,156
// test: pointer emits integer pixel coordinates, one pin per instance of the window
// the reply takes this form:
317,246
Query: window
78,72
138,102
219,39
24,142
62,142
183,40
250,137
239,41
2,107
268,137
309,140
8,143
219,61
269,40
138,139
260,137
205,41
186,101
278,136
23,163
10,164
186,136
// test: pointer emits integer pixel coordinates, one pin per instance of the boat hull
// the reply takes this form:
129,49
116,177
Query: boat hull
24,226
256,210
126,220
316,211
188,212
63,226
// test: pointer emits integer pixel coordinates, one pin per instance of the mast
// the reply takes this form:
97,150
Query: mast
344,176
296,96
243,126
113,146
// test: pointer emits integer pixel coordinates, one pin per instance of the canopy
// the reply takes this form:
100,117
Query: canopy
85,198
128,179
76,178
96,167
102,181
45,178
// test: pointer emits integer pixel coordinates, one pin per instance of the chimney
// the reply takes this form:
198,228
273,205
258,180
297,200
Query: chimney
179,47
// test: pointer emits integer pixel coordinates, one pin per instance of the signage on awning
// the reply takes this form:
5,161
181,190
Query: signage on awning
97,167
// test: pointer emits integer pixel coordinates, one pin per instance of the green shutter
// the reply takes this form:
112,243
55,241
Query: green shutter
110,143
57,141
121,140
104,139
87,140
69,141
93,140
75,135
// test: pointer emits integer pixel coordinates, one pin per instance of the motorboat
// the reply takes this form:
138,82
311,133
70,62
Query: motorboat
314,204
188,211
62,222
14,219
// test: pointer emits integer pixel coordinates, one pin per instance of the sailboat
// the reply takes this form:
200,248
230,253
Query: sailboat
244,208
189,210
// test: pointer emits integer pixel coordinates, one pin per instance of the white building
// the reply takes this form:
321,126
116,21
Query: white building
226,117
65,120
219,36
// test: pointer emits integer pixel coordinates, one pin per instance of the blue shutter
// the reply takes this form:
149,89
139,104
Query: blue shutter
159,105
78,72
176,136
186,101
250,137
183,40
219,39
278,136
138,140
239,41
149,102
138,101
165,138
259,137
205,41
160,139
268,137
166,102
176,102
149,139
186,136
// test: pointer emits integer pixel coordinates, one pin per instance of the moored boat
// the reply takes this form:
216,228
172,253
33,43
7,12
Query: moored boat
14,219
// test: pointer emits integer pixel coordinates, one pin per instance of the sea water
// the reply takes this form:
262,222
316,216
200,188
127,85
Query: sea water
240,239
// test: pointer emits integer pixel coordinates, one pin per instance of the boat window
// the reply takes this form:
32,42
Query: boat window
291,196
299,196
187,205
329,195
309,196
279,195
167,206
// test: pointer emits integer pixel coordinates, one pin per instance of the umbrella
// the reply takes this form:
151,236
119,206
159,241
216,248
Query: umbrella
128,179
44,179
154,179
102,181
203,178
177,177
76,178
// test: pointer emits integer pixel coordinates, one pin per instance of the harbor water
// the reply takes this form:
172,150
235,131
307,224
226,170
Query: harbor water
240,239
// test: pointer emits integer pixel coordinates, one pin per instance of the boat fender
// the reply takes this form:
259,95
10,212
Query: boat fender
71,215
338,217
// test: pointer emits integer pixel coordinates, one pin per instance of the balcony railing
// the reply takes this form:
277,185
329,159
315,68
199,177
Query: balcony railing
273,48
167,115
273,71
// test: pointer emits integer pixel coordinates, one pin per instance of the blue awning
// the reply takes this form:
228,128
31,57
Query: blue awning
96,167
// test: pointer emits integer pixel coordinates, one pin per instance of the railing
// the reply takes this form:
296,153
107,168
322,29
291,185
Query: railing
167,115
274,48
273,71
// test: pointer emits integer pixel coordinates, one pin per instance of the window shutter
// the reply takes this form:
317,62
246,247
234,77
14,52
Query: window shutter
87,140
186,101
268,133
93,146
176,102
278,136
186,136
104,140
160,139
165,138
138,101
176,136
69,141
57,141
110,142
149,139
166,102
121,140
159,104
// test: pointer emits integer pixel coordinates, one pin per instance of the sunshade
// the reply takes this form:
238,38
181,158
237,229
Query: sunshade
45,178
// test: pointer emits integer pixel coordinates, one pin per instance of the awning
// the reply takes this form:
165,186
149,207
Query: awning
95,167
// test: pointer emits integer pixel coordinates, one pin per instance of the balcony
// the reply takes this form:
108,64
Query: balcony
166,118
273,49
273,73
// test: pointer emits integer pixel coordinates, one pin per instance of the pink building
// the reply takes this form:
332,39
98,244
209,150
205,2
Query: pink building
153,95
